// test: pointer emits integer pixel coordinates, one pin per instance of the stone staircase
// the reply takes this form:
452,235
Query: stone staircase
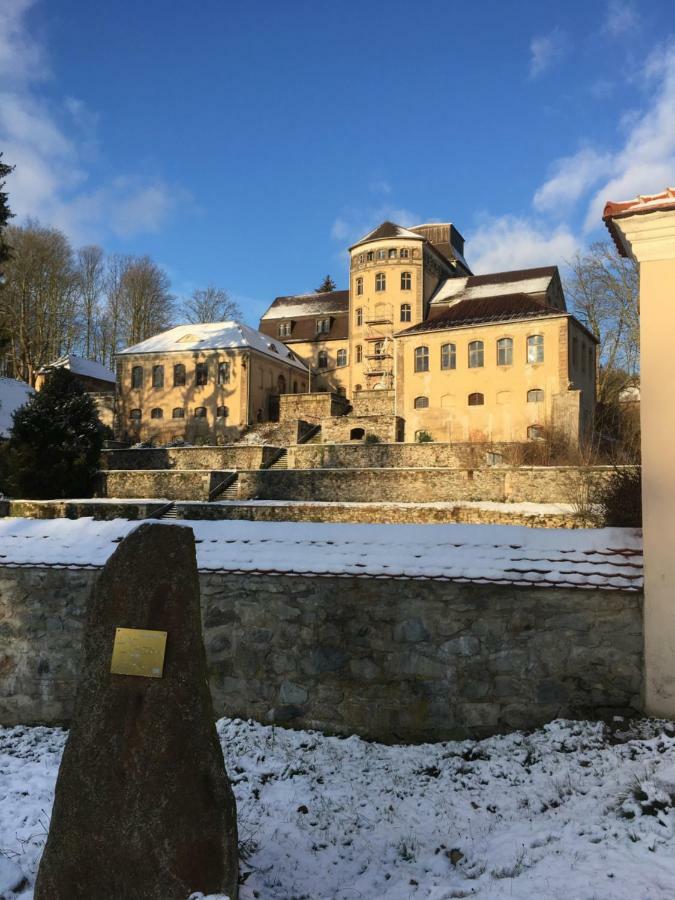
313,436
281,462
229,492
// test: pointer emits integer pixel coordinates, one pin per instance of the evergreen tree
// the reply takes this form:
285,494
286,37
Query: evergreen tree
55,442
326,285
5,215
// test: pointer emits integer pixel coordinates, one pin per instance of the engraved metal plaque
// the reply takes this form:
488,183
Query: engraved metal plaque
138,652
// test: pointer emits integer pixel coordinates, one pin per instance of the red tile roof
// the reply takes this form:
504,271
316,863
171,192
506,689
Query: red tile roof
643,203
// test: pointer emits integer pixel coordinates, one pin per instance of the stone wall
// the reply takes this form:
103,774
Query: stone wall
311,407
170,484
340,429
240,456
373,403
392,660
77,509
534,485
398,455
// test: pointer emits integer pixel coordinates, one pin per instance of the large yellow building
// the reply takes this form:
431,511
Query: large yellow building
203,382
492,357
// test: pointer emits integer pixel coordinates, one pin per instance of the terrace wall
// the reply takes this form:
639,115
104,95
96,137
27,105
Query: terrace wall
392,660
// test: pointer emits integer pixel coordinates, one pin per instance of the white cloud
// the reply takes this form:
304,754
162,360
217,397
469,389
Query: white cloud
546,50
572,178
51,147
503,243
620,18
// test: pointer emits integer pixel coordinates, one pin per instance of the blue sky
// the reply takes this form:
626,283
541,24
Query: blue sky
247,144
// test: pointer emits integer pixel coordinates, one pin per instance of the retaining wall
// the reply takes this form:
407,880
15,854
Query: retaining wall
339,430
398,455
392,660
311,406
374,403
170,484
232,457
535,485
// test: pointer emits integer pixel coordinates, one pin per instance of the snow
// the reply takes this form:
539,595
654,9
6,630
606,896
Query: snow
504,554
80,366
13,394
455,289
572,811
333,302
216,336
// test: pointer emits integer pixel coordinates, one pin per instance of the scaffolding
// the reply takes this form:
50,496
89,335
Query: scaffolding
379,356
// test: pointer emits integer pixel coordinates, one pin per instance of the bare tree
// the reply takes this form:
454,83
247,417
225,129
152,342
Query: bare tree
603,291
90,275
38,303
146,306
210,304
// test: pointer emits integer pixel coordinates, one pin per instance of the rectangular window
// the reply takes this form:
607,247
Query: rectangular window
448,356
535,348
322,326
223,372
201,373
505,352
476,355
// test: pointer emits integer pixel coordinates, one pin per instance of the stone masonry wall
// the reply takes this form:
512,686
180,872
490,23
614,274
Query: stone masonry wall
373,403
311,407
233,457
171,484
338,430
390,660
398,455
534,485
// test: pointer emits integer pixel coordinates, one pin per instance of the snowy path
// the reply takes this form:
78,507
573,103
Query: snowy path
569,811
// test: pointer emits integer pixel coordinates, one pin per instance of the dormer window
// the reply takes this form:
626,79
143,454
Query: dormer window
189,339
273,348
285,329
322,326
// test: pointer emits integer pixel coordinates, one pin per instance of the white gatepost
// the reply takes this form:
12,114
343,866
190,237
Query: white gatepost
644,228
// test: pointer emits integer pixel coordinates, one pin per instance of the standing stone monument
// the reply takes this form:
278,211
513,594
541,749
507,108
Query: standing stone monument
143,807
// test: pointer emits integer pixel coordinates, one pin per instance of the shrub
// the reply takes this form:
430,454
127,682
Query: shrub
423,437
620,498
55,442
372,439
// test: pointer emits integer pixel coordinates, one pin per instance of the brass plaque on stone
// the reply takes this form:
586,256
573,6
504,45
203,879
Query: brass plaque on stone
138,652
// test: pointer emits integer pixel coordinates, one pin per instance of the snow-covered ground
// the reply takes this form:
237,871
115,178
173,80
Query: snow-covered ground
575,811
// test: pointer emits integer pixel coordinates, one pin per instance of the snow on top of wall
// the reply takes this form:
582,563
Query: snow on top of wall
455,289
13,394
609,558
80,366
216,336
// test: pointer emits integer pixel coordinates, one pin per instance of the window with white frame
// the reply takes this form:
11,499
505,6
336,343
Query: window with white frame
448,356
406,312
421,359
476,355
406,281
505,352
535,348
342,358
380,282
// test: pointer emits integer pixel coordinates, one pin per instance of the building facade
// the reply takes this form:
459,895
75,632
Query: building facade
487,358
203,383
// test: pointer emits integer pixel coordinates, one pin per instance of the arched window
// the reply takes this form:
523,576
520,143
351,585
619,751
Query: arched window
178,413
405,253
342,358
380,282
359,353
135,415
381,254
421,402
137,377
476,355
223,372
370,256
201,373
535,348
505,352
322,361
222,412
476,400
359,317
156,413
421,359
357,434
536,433
406,281
158,376
392,253
536,395
178,375
200,412
281,384
448,356
406,312
359,286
